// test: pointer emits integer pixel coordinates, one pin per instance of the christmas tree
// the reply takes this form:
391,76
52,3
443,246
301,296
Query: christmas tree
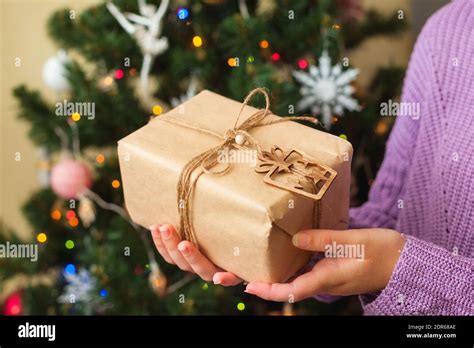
139,60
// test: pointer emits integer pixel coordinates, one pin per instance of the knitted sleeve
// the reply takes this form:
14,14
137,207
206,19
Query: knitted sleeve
427,279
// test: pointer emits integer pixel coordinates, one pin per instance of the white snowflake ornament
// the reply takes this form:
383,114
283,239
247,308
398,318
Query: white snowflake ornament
80,285
326,90
80,288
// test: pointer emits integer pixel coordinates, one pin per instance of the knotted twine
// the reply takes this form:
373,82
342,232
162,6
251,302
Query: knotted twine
204,162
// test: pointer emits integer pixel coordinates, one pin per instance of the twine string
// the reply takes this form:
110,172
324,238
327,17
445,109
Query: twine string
206,161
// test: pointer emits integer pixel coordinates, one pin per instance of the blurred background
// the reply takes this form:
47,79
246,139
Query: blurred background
224,45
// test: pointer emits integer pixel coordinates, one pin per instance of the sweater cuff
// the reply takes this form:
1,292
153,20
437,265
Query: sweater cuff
427,280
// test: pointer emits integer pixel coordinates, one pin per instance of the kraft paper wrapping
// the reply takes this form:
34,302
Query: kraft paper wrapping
242,224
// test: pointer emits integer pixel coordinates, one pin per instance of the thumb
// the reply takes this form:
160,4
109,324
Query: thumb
317,240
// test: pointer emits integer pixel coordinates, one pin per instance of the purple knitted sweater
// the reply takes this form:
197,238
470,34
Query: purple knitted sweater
425,186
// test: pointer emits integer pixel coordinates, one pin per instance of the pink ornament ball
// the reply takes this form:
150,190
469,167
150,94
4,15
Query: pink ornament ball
70,177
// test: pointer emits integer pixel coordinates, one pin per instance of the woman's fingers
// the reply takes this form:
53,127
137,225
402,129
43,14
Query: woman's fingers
318,240
187,257
156,235
205,268
329,276
226,279
200,264
171,239
302,287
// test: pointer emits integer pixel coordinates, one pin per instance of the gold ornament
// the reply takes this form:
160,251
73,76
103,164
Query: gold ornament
86,211
157,280
288,309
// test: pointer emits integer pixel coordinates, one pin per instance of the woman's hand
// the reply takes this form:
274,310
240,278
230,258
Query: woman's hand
376,254
187,257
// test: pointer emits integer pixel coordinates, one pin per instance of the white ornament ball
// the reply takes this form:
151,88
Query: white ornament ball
240,139
54,72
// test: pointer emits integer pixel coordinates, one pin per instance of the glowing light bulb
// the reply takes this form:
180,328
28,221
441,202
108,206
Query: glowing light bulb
42,237
275,56
264,44
118,74
70,269
71,214
76,117
74,222
197,41
302,63
157,110
56,214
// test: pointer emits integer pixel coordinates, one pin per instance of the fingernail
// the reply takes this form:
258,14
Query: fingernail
152,227
300,239
215,280
165,232
183,248
248,289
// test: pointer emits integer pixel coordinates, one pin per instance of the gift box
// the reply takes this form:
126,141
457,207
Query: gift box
253,188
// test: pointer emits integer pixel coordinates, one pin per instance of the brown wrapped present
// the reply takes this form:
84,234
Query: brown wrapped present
239,191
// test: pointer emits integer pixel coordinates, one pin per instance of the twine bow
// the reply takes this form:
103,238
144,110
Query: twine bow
204,162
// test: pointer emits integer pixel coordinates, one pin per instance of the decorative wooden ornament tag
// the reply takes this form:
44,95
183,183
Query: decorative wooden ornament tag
303,176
